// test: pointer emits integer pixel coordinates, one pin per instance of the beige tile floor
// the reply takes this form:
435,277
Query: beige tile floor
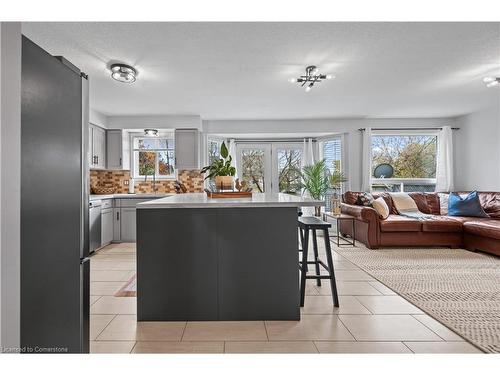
371,319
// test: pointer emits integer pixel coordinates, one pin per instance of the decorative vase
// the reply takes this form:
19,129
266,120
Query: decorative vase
317,211
224,182
335,203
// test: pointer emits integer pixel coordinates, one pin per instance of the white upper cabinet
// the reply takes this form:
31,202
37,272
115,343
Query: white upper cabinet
114,149
97,147
187,149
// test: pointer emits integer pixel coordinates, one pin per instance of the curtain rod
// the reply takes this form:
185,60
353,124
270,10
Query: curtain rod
363,129
270,140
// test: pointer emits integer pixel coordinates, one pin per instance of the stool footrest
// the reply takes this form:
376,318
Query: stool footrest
320,262
318,277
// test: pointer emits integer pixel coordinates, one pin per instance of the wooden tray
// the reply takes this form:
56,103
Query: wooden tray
229,194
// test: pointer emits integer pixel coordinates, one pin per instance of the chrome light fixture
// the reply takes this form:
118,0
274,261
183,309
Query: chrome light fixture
491,81
123,73
311,77
151,132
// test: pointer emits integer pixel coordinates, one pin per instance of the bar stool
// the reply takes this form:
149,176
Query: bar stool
312,224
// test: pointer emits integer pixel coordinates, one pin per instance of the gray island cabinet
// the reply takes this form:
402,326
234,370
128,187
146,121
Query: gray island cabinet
218,259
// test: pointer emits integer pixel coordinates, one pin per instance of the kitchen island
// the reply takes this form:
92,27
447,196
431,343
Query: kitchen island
200,258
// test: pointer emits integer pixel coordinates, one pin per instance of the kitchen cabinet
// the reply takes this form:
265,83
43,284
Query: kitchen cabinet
97,147
116,224
124,227
127,224
117,149
187,153
106,226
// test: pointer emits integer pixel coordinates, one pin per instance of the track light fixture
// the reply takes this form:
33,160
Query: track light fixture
311,77
491,81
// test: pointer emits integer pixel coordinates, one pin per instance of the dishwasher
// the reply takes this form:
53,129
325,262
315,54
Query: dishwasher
95,225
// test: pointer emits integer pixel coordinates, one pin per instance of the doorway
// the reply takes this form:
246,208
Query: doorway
270,167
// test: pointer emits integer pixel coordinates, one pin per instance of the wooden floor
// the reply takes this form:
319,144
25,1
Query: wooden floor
371,319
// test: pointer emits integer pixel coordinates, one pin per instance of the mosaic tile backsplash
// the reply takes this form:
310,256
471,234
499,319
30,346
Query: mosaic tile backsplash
193,180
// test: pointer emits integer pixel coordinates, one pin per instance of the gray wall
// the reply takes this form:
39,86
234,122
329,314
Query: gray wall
477,150
348,127
10,183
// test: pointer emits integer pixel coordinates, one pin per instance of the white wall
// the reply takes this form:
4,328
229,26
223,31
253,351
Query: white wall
477,150
348,127
10,183
97,118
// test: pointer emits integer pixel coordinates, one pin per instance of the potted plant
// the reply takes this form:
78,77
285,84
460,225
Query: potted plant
315,179
222,170
337,178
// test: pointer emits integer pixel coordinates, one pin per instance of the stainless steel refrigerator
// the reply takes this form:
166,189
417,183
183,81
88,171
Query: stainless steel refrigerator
54,204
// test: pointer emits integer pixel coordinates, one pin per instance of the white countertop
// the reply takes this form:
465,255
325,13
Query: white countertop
200,200
130,196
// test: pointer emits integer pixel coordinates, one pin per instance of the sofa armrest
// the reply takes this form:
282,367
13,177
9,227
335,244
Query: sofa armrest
367,230
363,213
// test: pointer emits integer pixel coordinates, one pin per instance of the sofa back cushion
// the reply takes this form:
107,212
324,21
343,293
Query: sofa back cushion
428,203
352,197
490,201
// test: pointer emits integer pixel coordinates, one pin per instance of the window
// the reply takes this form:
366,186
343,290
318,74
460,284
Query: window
331,150
412,158
154,156
213,148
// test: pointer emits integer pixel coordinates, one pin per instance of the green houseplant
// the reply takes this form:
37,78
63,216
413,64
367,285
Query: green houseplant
221,169
316,181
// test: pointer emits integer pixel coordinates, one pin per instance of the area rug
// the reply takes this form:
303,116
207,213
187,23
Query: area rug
459,288
129,289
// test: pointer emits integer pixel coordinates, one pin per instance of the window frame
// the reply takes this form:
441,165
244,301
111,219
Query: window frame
402,181
134,155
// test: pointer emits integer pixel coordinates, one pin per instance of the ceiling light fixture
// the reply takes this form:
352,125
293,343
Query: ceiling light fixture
491,81
123,73
151,132
311,77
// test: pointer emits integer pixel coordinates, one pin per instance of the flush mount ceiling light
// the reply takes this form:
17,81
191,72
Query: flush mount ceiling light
123,73
151,132
311,77
491,81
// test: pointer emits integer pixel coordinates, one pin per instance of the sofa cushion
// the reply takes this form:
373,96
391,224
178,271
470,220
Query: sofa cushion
397,223
484,228
352,197
442,224
428,203
468,206
490,201
381,207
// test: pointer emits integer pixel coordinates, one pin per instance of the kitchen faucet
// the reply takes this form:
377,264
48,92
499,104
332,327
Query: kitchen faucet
155,189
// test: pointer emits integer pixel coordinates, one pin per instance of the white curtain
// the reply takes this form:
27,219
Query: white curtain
307,153
307,159
444,169
366,161
232,153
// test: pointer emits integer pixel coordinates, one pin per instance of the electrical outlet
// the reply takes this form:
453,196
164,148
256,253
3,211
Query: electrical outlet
125,182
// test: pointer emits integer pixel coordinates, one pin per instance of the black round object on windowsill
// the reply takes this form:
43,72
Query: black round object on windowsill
383,170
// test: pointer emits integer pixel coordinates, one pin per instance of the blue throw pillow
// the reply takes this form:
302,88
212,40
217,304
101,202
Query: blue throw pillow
468,206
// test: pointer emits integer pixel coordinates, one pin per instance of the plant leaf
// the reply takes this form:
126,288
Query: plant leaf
223,150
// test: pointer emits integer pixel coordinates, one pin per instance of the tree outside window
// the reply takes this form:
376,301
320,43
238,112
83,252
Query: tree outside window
154,156
413,158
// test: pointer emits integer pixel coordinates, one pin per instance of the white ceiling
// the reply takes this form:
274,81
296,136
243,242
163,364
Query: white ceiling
240,70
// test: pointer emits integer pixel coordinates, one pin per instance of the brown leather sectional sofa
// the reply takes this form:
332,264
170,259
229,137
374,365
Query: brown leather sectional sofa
472,233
